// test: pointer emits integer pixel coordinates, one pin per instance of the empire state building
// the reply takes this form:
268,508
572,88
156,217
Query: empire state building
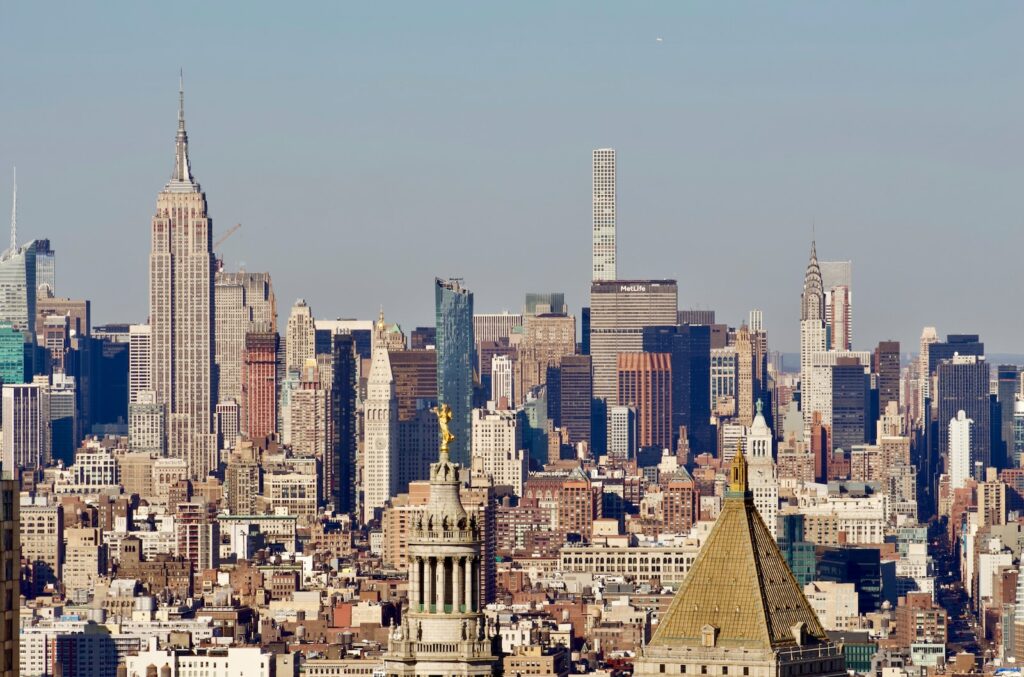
181,273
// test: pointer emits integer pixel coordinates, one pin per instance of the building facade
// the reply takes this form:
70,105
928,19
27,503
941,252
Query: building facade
456,358
181,312
380,436
813,337
645,384
619,311
603,204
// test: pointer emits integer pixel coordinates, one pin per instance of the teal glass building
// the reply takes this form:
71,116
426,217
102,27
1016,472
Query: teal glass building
12,355
456,355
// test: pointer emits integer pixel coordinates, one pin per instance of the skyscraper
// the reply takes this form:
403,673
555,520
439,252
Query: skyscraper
309,414
575,391
1008,384
542,303
380,436
10,574
744,377
723,381
619,311
18,280
545,341
604,250
140,353
453,305
849,403
838,302
963,383
812,321
243,303
839,318
621,433
755,321
46,269
495,326
26,428
955,344
300,339
816,390
1017,451
645,383
339,476
763,474
960,430
12,355
887,366
501,381
259,384
181,310
690,348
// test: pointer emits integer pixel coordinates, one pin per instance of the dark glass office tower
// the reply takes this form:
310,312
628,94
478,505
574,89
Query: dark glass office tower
850,398
575,394
690,348
799,553
955,344
339,471
456,355
886,364
585,331
1007,388
964,384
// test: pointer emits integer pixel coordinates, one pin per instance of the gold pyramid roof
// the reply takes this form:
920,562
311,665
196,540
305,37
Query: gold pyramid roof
739,593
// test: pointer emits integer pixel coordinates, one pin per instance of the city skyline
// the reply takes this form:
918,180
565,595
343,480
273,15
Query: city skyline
639,481
859,186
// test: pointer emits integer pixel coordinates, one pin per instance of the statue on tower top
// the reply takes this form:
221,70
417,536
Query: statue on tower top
444,414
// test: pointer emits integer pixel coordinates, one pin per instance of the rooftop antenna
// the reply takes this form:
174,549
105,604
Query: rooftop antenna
14,214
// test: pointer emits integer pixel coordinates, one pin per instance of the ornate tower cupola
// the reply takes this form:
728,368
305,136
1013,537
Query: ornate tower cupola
443,630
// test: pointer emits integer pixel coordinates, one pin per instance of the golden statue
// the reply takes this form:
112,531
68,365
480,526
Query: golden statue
444,414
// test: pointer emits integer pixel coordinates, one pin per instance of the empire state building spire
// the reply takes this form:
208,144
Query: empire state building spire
181,312
181,179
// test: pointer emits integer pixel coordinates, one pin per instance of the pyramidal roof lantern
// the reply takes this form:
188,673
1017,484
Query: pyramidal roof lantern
738,474
739,593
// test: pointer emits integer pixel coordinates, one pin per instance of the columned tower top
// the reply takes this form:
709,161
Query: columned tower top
443,631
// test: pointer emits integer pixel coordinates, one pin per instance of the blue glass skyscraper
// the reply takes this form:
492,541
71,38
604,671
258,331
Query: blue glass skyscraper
453,305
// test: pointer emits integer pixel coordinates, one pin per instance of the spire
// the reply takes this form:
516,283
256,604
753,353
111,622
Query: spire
812,301
182,170
14,214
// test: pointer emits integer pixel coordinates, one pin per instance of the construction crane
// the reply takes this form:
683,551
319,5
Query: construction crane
229,233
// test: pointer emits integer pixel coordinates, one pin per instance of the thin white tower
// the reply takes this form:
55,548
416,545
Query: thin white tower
604,215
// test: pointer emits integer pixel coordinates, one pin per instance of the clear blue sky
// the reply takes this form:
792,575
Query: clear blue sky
367,148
